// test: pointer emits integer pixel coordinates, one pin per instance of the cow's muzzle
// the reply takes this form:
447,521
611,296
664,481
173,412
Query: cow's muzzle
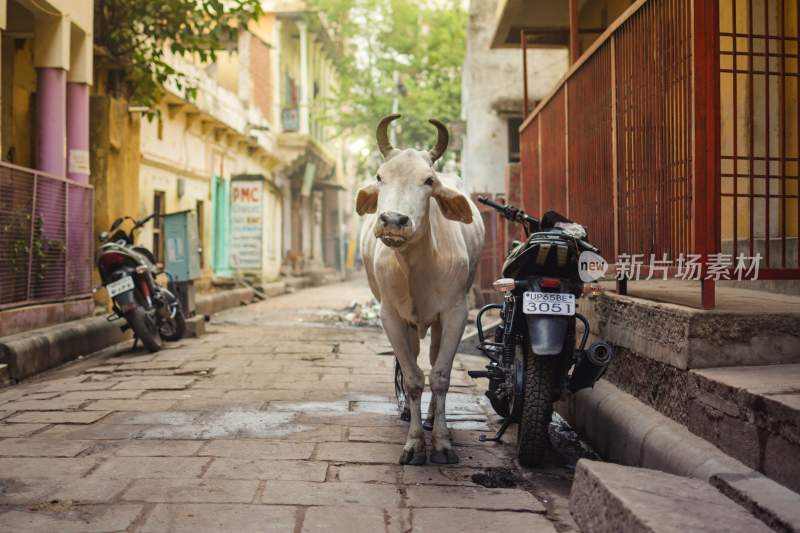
393,229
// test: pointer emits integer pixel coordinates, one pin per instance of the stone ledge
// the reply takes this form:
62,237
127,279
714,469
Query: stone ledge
610,498
214,302
38,350
687,338
626,431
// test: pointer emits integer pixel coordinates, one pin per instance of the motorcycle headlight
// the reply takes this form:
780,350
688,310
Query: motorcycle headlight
572,229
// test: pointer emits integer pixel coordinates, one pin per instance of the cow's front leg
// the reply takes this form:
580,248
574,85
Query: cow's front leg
436,338
400,337
453,322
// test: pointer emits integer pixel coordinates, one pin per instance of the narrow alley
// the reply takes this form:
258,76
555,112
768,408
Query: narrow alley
281,418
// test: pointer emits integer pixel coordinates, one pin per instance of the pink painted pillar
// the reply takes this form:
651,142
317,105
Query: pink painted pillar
79,232
51,121
51,147
78,132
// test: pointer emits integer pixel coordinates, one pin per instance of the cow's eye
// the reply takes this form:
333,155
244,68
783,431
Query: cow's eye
378,177
429,182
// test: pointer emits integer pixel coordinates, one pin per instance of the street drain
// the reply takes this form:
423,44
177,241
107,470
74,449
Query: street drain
496,478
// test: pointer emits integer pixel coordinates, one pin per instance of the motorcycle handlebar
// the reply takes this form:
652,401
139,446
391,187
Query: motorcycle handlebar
509,211
144,221
491,203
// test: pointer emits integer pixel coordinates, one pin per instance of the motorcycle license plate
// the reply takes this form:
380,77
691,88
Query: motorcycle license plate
548,303
121,285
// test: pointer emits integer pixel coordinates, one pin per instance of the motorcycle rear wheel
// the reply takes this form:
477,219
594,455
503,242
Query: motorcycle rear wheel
533,438
145,329
174,328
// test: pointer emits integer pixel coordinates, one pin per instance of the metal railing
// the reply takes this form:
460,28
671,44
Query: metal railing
46,244
658,150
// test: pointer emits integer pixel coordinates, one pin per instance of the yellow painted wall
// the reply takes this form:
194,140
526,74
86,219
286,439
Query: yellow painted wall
766,99
19,88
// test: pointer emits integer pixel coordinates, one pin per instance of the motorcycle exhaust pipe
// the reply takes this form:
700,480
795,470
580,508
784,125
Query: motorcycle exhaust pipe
591,365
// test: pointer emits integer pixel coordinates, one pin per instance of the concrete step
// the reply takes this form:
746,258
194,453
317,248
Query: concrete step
708,371
685,338
624,430
295,283
323,276
611,498
272,289
753,414
214,302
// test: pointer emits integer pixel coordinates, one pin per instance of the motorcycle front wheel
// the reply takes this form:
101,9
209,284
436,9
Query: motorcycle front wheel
145,328
533,438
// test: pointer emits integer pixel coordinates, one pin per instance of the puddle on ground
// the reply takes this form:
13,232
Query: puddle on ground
312,408
230,423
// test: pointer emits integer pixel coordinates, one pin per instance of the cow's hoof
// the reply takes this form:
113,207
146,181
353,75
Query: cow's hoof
427,425
444,457
412,457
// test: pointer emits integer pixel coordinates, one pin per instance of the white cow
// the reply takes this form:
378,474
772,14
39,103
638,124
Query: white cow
420,245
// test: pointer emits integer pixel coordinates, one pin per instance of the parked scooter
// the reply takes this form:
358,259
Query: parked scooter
129,273
534,347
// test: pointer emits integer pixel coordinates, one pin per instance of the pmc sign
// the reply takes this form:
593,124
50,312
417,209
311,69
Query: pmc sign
246,224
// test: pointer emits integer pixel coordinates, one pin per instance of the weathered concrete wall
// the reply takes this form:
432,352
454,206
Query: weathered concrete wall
492,93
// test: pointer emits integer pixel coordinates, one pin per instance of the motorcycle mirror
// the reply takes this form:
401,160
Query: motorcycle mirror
117,223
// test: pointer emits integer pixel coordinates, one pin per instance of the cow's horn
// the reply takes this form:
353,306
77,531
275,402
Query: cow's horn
442,140
382,134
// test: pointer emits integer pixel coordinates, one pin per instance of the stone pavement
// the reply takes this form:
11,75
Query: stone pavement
280,419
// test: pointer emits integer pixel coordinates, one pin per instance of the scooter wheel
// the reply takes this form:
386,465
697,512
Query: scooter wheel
145,328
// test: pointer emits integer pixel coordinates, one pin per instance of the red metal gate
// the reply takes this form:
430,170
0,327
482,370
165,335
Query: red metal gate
677,133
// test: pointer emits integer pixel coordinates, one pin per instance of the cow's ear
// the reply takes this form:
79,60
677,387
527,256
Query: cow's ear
453,203
367,199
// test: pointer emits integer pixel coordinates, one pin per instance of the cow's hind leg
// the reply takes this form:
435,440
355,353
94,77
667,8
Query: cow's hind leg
452,325
406,348
436,337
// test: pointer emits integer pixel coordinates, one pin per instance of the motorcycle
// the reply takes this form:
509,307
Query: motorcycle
533,348
129,274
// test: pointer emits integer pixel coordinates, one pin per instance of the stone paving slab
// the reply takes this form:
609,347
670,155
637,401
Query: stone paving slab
245,449
351,520
158,448
213,518
473,498
58,417
23,468
267,470
151,467
461,520
192,490
338,494
42,448
66,518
